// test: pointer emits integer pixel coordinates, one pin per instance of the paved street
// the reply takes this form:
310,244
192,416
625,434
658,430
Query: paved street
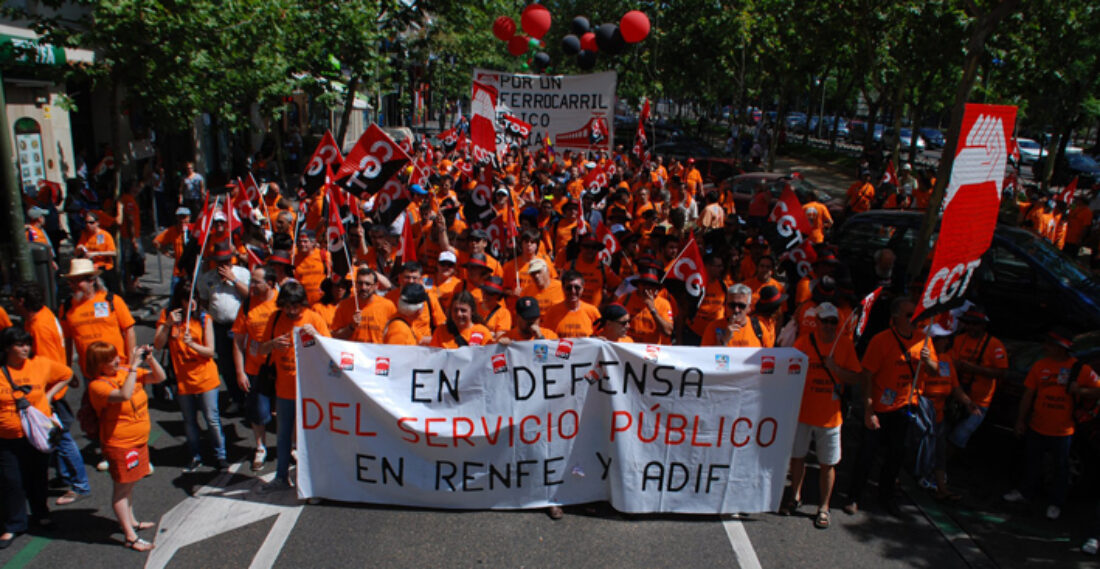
207,519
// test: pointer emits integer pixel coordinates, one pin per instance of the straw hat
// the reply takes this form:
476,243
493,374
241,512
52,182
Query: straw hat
81,268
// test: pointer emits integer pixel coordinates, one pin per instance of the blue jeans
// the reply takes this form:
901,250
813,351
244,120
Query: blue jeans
1037,445
965,428
23,473
223,347
70,464
207,402
285,408
257,406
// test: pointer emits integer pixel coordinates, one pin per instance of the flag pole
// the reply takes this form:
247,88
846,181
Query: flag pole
344,240
198,261
263,204
847,322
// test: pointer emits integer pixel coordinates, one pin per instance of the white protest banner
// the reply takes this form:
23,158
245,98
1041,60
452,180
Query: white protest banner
574,111
648,428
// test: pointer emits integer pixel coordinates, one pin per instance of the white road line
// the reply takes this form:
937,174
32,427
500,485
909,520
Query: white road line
742,547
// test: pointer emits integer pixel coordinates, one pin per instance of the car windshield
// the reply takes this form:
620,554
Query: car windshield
1066,271
905,132
1082,162
1029,144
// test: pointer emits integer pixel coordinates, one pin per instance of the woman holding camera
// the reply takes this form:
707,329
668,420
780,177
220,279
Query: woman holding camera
123,410
23,469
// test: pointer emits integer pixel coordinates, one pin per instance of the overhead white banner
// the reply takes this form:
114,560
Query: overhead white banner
574,111
647,428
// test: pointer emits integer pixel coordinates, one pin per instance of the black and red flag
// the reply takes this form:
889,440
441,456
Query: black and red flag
371,163
688,268
478,209
325,156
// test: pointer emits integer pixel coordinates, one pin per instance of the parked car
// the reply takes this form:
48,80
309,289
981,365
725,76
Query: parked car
1030,151
684,147
1072,164
715,169
1025,284
743,186
933,137
858,130
905,137
826,129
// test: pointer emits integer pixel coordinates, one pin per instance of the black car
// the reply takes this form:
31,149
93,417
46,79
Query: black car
933,137
684,147
1025,284
1072,164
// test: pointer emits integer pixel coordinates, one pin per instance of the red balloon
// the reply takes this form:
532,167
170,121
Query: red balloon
518,45
634,26
504,28
588,42
535,20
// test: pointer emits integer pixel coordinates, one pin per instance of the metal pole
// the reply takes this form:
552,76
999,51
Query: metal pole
13,194
156,225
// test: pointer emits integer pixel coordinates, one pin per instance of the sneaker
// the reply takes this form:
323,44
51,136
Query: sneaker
276,485
193,466
927,484
1090,546
102,465
258,459
1014,497
1053,512
294,456
151,470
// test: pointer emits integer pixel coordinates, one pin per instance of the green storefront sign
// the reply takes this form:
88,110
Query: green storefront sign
30,52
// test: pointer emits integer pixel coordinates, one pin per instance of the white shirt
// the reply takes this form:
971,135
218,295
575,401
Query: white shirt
221,298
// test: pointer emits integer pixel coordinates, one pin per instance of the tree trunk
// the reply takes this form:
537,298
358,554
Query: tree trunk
345,114
975,49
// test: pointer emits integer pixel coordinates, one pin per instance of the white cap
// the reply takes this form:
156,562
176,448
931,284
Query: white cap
445,256
220,216
536,265
827,310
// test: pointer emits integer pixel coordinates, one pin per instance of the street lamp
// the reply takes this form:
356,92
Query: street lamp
820,82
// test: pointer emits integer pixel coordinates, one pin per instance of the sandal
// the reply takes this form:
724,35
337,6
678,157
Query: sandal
138,544
822,519
142,526
68,498
789,507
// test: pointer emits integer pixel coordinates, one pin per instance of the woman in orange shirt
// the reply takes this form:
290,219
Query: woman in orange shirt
464,326
23,469
190,338
123,410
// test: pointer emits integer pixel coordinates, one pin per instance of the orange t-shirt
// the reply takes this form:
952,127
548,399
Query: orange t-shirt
498,319
1052,412
131,216
250,325
711,309
717,334
94,320
475,335
597,277
173,236
446,291
430,317
5,320
579,323
310,270
820,394
817,214
524,277
375,313
99,242
40,374
285,359
1078,221
327,311
643,326
125,424
44,327
195,372
547,297
806,316
938,387
966,348
399,332
891,375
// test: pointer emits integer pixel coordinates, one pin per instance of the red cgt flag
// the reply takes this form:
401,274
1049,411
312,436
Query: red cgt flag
483,112
788,214
865,311
610,243
326,156
408,244
1066,195
688,269
890,176
803,256
371,163
596,179
970,206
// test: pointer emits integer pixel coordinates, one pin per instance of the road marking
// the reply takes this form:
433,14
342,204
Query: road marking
29,551
739,540
215,509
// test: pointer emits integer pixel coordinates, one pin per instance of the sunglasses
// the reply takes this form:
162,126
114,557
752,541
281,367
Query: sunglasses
624,322
574,287
90,222
737,305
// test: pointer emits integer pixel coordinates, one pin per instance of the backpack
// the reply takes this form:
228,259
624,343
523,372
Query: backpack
87,416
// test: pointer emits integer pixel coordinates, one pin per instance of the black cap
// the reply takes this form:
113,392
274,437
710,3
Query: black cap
493,285
479,234
527,308
613,312
414,293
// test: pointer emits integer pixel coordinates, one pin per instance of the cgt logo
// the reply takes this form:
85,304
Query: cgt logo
652,352
947,283
794,366
686,271
565,348
500,363
347,361
382,366
767,365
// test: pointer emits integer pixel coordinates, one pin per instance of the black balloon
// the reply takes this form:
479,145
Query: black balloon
571,44
606,35
541,60
586,60
580,26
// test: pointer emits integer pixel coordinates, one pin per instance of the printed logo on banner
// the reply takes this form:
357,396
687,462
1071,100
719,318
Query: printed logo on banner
594,375
565,347
347,361
767,365
307,338
721,361
500,363
651,353
382,366
541,352
794,366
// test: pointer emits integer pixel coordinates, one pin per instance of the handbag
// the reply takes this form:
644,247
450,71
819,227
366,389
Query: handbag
41,431
265,377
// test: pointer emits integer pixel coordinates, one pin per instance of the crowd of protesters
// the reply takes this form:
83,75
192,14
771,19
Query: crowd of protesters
566,260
